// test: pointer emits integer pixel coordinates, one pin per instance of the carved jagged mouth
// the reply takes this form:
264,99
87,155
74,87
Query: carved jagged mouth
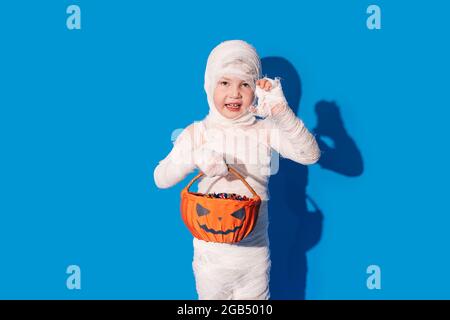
204,227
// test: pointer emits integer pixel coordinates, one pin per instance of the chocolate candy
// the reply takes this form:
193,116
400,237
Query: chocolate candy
231,196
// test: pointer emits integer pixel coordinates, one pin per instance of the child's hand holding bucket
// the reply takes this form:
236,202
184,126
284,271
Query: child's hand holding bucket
210,162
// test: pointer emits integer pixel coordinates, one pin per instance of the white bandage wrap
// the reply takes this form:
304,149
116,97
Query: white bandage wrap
210,162
237,58
268,99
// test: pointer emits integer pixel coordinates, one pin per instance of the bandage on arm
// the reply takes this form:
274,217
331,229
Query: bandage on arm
178,163
290,137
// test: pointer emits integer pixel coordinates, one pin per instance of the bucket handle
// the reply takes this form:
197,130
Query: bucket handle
233,171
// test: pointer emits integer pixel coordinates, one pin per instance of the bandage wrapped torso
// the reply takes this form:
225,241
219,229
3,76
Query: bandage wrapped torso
236,271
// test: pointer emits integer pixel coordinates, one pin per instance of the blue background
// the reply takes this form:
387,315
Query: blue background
85,116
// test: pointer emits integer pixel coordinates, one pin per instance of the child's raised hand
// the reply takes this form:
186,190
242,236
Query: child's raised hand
271,100
264,84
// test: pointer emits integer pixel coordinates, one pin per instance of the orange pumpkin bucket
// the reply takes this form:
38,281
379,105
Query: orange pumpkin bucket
219,220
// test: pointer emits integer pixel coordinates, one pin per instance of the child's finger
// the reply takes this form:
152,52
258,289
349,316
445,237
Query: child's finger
267,86
261,83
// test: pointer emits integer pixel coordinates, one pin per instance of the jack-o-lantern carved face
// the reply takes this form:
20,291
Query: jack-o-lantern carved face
219,220
218,223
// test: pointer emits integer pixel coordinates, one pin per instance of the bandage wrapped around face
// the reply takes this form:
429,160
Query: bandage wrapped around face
235,58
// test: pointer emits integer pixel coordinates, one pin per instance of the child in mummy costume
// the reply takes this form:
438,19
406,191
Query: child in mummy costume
232,83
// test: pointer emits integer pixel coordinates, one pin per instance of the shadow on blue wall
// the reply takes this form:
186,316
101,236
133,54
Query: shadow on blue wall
294,229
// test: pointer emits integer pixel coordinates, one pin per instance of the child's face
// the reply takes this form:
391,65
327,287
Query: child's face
232,96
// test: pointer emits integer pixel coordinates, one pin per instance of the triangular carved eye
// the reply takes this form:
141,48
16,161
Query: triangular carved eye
240,214
201,211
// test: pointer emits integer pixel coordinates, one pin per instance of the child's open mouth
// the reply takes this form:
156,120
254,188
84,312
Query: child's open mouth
233,106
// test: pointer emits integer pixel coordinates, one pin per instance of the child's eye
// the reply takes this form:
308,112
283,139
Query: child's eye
224,83
246,85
